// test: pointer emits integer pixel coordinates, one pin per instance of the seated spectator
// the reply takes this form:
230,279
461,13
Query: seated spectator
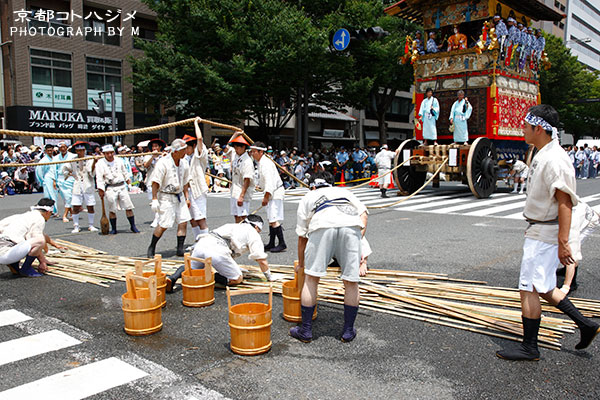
21,181
7,187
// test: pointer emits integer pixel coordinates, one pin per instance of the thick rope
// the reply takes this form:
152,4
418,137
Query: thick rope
73,160
219,178
147,129
415,193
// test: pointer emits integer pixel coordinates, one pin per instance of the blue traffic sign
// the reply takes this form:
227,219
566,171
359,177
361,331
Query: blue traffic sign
341,39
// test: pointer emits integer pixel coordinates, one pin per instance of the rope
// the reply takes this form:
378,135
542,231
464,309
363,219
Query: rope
415,193
73,160
219,178
188,121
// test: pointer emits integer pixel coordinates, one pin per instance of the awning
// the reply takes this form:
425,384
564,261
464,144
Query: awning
534,9
331,114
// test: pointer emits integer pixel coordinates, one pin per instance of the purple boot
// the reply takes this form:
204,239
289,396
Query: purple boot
303,332
349,317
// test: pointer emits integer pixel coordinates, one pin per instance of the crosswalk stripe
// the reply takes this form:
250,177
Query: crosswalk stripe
478,203
495,210
433,203
33,345
11,317
78,383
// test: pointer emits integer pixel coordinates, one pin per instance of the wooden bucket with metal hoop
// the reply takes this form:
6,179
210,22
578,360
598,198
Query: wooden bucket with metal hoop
250,323
198,284
142,308
290,292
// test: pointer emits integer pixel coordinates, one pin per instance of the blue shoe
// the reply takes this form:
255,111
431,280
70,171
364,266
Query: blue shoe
298,333
349,335
29,271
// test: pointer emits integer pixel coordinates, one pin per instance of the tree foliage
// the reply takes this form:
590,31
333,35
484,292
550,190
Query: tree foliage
568,81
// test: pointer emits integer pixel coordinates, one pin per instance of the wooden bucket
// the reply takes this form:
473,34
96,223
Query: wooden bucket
291,291
198,284
250,323
161,277
141,306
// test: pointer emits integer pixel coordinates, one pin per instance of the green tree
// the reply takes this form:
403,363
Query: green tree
566,82
231,60
373,73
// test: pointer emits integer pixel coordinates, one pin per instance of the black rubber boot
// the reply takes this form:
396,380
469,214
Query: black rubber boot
588,329
132,226
281,246
349,317
180,244
528,350
272,235
172,279
383,193
113,224
303,332
152,248
221,280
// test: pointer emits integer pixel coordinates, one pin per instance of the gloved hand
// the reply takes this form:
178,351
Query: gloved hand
155,206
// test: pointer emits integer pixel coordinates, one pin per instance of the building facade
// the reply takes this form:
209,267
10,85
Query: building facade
582,33
58,56
556,28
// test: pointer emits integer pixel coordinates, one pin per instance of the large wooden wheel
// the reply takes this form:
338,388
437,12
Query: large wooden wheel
482,170
407,179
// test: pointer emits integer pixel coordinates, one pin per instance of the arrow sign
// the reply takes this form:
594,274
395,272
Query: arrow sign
341,39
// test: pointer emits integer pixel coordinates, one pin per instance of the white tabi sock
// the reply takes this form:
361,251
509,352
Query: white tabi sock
195,231
203,231
91,219
75,219
516,187
268,275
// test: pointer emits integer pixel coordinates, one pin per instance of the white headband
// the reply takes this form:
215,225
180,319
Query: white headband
107,147
42,208
258,224
258,148
534,120
319,183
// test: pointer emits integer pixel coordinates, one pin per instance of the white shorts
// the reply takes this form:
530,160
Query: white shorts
275,210
118,196
239,211
198,207
9,255
385,181
342,243
538,266
172,211
522,175
209,246
84,198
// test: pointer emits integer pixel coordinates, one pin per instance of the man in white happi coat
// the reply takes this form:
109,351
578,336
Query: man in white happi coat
331,223
170,195
83,186
64,185
223,245
197,158
157,147
22,236
459,114
242,176
274,192
551,196
429,112
383,160
519,172
112,180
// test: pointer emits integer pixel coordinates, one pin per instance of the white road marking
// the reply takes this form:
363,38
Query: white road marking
78,383
498,198
33,345
11,317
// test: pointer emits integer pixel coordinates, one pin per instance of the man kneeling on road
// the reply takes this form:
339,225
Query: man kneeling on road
223,245
331,223
22,236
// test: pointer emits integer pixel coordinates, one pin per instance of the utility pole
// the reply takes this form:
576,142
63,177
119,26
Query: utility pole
113,108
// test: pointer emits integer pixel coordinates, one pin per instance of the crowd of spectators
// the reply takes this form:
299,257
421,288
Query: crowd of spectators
350,163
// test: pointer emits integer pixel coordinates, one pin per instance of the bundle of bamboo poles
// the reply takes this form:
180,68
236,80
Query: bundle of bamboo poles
429,297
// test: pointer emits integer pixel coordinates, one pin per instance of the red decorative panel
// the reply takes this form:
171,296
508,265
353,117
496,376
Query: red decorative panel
512,108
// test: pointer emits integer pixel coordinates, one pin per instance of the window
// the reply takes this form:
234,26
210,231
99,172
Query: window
556,4
145,30
51,79
49,21
103,30
101,74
